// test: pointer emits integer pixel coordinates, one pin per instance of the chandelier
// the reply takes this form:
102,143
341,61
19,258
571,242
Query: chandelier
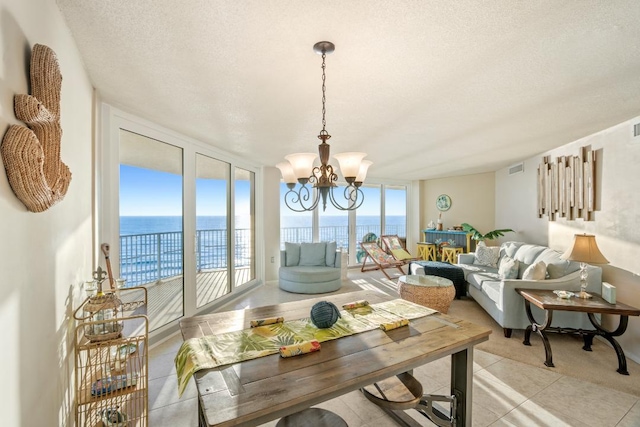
299,168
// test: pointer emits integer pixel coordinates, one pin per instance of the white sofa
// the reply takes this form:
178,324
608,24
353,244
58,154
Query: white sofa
498,296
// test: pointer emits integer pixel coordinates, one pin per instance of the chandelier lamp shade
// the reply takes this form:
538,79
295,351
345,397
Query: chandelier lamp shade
585,251
317,184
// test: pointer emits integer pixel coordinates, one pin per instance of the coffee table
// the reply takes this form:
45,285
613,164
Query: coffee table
256,391
431,291
548,301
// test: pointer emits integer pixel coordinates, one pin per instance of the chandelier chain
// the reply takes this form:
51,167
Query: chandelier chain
324,89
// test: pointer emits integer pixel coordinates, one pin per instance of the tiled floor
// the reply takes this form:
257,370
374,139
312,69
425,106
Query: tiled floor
505,392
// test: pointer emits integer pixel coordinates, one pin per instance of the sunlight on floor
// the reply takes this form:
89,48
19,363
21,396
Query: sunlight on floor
506,393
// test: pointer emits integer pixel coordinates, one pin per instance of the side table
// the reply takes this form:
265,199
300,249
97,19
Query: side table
431,291
548,301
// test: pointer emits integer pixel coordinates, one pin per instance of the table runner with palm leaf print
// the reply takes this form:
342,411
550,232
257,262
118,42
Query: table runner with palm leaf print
237,346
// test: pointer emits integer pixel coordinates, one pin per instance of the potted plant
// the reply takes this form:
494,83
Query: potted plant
479,237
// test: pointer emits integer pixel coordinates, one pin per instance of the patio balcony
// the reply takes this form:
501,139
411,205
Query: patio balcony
155,261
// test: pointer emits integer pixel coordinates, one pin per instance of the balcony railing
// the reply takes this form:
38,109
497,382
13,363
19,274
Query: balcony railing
147,258
339,234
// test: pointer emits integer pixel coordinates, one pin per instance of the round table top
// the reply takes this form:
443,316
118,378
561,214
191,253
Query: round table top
427,281
312,417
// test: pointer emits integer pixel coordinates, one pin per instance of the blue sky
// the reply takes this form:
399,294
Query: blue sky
145,192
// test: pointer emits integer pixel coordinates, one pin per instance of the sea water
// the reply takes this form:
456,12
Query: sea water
130,225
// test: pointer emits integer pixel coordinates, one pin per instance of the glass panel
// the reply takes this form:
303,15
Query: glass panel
244,260
334,226
151,248
212,237
368,217
295,227
395,210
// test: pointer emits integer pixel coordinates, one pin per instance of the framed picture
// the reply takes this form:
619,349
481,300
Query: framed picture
443,202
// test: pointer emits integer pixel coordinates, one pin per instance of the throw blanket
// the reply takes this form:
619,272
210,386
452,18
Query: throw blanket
232,347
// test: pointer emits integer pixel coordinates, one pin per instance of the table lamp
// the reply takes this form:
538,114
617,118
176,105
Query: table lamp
584,250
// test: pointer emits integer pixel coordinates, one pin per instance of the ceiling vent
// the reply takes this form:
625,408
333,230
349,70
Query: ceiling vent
517,168
636,130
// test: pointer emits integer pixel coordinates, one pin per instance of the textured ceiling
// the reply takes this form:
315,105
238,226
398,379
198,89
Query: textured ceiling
426,88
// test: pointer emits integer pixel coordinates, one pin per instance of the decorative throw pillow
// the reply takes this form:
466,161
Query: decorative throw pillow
536,271
332,247
557,270
523,267
487,256
508,268
292,251
313,254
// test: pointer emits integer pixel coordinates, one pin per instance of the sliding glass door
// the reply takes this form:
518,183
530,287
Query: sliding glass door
212,225
182,214
395,210
334,226
151,223
244,244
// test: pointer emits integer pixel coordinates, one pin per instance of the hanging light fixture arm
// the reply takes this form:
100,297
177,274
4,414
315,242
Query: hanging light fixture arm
295,200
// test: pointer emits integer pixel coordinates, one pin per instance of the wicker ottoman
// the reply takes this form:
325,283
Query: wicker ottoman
431,291
442,269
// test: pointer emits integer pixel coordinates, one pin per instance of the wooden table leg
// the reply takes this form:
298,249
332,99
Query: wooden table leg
540,330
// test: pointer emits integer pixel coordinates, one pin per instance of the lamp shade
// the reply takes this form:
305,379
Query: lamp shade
362,173
287,172
584,249
302,164
349,163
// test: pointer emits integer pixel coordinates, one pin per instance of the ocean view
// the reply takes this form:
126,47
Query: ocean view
131,225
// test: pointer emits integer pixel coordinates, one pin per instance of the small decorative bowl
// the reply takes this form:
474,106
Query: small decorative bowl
564,294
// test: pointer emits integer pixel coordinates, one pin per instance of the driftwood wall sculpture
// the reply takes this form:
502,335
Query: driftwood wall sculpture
566,188
31,155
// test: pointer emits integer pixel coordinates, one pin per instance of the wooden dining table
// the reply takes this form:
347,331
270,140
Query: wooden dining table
256,391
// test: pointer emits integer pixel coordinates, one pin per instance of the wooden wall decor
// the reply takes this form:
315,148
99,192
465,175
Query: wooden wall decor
566,187
31,155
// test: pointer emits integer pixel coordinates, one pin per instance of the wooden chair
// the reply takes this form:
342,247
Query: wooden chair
380,258
392,244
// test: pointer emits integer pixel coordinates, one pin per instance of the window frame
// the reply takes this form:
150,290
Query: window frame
106,201
411,216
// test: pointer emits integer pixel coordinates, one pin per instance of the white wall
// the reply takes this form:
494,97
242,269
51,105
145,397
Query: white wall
616,224
271,197
472,201
44,256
